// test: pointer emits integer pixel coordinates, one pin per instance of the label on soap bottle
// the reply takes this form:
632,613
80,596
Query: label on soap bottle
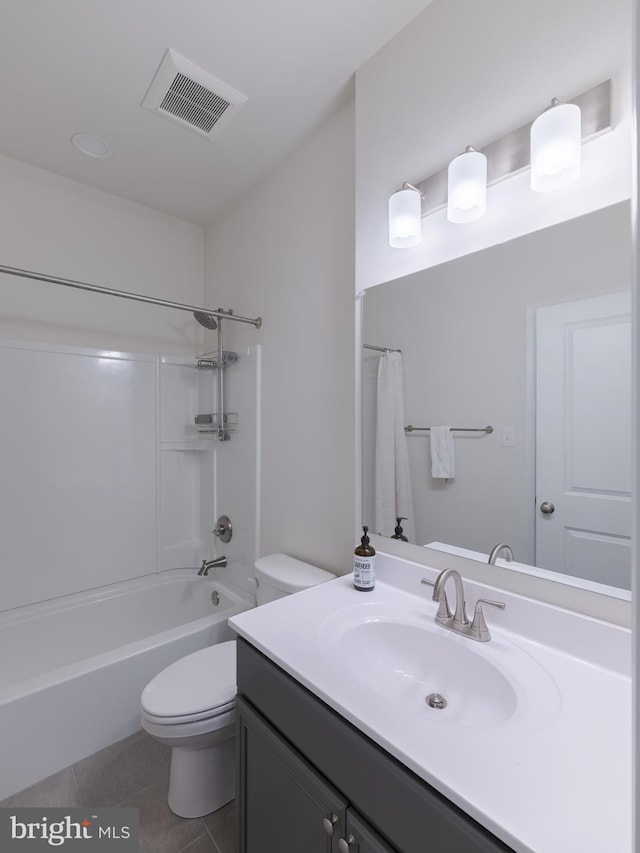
364,572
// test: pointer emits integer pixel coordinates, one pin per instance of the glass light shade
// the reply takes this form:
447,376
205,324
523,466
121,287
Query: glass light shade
467,197
556,146
405,219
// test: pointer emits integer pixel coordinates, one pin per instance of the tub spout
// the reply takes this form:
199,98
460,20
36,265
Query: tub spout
218,563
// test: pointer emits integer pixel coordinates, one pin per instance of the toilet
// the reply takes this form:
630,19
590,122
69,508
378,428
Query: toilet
190,705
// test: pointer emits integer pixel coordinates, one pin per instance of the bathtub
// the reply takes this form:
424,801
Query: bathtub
72,669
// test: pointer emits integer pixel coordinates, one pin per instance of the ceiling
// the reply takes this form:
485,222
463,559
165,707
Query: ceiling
85,66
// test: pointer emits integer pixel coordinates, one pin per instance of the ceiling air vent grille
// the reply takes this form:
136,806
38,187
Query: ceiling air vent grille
193,103
187,94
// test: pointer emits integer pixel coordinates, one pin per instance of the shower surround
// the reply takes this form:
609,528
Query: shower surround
109,490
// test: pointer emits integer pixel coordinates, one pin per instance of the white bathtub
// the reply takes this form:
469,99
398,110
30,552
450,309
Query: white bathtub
72,670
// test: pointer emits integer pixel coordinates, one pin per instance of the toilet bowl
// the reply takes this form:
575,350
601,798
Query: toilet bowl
190,705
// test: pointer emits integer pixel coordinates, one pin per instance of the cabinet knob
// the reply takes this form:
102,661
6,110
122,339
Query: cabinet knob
329,822
344,845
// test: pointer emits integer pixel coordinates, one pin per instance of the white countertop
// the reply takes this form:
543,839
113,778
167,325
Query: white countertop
555,781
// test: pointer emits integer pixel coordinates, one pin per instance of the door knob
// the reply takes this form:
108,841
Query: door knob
547,508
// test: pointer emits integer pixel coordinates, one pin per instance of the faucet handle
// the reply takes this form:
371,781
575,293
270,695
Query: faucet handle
444,611
479,630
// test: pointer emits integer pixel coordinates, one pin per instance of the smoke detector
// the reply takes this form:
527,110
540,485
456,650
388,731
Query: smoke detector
191,96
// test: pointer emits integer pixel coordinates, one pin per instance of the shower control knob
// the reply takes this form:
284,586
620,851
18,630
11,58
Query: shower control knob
224,530
547,508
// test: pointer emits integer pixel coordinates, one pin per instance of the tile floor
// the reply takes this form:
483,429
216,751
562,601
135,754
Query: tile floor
134,772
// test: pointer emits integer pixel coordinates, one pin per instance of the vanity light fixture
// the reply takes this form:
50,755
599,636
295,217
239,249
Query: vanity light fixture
556,143
405,217
550,146
467,186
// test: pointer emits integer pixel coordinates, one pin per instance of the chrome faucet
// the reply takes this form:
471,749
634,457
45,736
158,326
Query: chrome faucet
499,549
459,622
218,563
460,618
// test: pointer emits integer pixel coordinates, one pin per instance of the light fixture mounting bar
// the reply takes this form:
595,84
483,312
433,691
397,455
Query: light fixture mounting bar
511,153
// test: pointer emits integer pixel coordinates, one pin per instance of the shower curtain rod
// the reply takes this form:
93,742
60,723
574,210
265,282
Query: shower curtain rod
107,291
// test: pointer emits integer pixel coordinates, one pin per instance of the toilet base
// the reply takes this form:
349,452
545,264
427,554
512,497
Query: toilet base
201,780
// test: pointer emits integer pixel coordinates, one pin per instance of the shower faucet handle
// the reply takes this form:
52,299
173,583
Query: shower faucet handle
223,530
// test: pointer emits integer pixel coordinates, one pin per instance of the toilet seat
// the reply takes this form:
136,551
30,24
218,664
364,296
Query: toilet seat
210,730
189,718
200,686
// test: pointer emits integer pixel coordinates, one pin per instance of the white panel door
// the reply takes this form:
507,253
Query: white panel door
583,438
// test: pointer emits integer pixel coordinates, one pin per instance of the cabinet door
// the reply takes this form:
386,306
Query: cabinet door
361,838
284,805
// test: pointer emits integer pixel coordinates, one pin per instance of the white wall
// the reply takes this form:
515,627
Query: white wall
286,253
465,73
58,227
469,367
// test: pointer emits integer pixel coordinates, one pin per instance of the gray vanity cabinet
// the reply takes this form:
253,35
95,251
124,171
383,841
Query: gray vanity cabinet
360,837
287,806
310,782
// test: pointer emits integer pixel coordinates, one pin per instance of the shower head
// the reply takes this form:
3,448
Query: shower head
206,320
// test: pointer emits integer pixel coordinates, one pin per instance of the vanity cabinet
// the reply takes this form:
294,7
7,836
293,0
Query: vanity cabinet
287,805
310,782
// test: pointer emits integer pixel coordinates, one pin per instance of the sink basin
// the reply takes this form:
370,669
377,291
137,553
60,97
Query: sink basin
405,664
400,654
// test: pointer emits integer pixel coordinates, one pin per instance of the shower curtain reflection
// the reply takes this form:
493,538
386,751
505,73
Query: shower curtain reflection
392,480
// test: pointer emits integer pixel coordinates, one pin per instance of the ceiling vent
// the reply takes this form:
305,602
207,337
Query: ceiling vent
192,97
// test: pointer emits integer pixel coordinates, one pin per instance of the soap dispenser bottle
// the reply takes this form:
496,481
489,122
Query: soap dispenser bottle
398,534
364,573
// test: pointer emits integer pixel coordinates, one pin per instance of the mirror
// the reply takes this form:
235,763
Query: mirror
472,358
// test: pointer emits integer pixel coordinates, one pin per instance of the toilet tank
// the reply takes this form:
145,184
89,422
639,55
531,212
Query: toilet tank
278,575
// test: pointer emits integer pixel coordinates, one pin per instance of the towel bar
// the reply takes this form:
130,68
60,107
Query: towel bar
487,429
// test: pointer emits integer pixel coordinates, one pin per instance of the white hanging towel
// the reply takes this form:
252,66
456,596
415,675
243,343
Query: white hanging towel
393,484
443,460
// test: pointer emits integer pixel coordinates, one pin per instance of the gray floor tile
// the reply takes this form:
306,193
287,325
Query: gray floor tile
134,772
212,820
160,830
57,791
224,835
204,844
121,770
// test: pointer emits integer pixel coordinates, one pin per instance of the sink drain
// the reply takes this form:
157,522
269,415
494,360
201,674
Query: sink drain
435,700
